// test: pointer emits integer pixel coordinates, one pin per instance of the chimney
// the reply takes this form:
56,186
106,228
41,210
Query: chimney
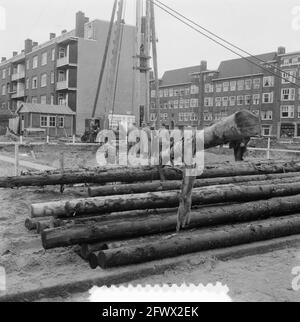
281,50
64,31
28,46
35,43
52,35
3,59
15,53
203,66
80,21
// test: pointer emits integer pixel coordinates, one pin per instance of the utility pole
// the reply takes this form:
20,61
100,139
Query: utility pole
155,63
147,42
137,74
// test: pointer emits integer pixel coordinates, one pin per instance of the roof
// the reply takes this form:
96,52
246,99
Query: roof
45,109
179,76
241,67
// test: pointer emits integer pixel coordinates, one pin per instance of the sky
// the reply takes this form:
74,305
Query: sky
257,26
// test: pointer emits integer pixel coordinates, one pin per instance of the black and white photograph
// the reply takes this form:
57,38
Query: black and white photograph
149,151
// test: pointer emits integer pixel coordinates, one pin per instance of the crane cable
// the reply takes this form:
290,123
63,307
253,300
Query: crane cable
224,46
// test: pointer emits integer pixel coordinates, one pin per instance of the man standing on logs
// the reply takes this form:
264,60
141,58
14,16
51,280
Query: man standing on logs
236,130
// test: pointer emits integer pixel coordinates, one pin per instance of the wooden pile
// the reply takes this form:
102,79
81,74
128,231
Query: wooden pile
135,220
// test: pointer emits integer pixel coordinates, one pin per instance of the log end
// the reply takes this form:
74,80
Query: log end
93,261
247,123
102,261
30,225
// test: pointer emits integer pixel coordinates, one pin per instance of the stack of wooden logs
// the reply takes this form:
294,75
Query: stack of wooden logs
131,218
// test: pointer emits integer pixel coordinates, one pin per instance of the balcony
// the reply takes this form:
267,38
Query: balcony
18,76
62,85
20,93
64,62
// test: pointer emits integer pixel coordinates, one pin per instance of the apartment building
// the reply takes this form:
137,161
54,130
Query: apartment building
238,84
179,97
65,71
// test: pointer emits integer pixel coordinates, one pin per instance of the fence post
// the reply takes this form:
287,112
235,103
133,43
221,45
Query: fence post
269,149
21,139
47,139
74,139
17,159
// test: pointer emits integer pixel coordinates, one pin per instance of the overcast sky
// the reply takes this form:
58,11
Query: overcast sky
257,26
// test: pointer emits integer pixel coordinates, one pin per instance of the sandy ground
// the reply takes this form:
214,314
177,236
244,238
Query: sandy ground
263,278
28,265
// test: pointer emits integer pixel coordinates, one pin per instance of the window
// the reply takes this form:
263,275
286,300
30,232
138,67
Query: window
256,99
52,121
27,83
266,130
286,62
3,90
187,91
208,117
152,117
34,82
208,101
61,52
44,59
289,76
62,77
43,80
233,86
34,100
176,92
248,84
152,93
180,117
52,77
27,64
287,111
44,121
176,104
4,74
187,103
52,99
62,99
225,101
182,92
209,88
194,89
240,85
226,86
171,92
166,93
232,100
240,100
219,88
194,102
295,60
43,99
288,94
268,81
3,105
256,83
248,99
61,122
268,98
53,54
267,115
298,112
35,62
218,101
181,103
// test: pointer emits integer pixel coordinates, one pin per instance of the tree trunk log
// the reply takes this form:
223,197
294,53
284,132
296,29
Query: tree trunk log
127,189
131,175
166,199
201,240
209,216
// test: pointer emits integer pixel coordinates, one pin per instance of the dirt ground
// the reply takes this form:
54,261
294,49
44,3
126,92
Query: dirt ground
27,265
262,278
